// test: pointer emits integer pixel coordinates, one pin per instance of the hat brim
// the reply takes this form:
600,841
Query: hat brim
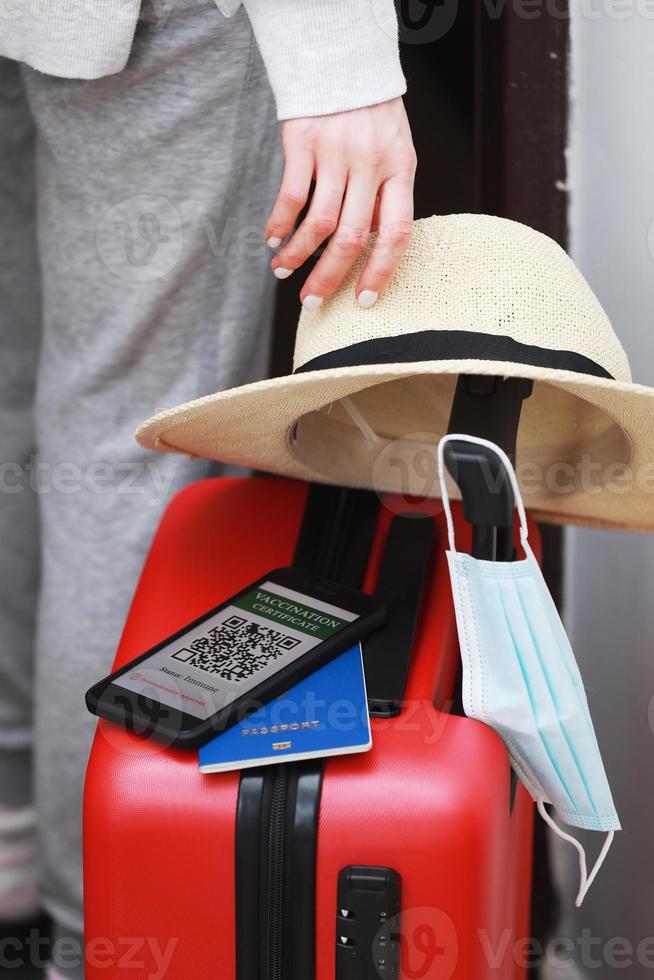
609,463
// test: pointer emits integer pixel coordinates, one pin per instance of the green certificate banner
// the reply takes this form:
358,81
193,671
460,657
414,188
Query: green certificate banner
289,612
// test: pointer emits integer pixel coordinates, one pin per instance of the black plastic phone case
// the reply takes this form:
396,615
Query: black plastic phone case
170,730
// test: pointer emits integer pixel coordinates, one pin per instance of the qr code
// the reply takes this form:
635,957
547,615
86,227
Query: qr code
236,649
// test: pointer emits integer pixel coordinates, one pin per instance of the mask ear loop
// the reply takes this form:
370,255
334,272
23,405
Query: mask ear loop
608,840
364,428
524,534
445,497
585,880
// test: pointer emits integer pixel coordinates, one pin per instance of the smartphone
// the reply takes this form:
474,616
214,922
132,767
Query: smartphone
237,657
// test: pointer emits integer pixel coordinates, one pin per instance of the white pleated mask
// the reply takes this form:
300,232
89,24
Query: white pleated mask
520,677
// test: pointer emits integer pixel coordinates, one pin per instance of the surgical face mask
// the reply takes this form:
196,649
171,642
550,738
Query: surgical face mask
520,677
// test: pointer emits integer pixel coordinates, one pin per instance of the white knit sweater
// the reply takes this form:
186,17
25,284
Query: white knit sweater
322,56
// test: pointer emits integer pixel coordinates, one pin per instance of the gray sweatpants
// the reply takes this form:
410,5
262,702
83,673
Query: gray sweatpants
133,275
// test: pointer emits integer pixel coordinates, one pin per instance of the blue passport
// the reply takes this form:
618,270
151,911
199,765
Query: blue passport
325,714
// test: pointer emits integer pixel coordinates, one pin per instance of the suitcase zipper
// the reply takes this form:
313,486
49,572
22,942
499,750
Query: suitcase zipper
275,882
337,547
275,923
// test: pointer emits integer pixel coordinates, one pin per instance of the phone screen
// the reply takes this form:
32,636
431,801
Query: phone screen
235,649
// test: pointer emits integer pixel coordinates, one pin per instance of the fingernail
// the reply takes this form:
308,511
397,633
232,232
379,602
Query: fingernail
281,272
367,298
311,302
274,241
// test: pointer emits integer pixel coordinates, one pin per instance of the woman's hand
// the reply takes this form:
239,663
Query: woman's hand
363,163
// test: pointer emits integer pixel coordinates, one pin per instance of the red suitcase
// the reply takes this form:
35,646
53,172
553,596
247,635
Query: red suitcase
411,860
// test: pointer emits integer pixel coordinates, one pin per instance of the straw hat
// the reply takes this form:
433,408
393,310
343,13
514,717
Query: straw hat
371,390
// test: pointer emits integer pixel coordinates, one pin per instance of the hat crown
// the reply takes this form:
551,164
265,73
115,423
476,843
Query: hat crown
476,274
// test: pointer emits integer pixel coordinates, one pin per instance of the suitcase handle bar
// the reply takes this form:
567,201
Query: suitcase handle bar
488,407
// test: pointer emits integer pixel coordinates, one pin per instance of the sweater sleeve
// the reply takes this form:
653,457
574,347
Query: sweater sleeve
325,56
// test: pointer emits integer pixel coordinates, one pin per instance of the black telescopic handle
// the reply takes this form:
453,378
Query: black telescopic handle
488,407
